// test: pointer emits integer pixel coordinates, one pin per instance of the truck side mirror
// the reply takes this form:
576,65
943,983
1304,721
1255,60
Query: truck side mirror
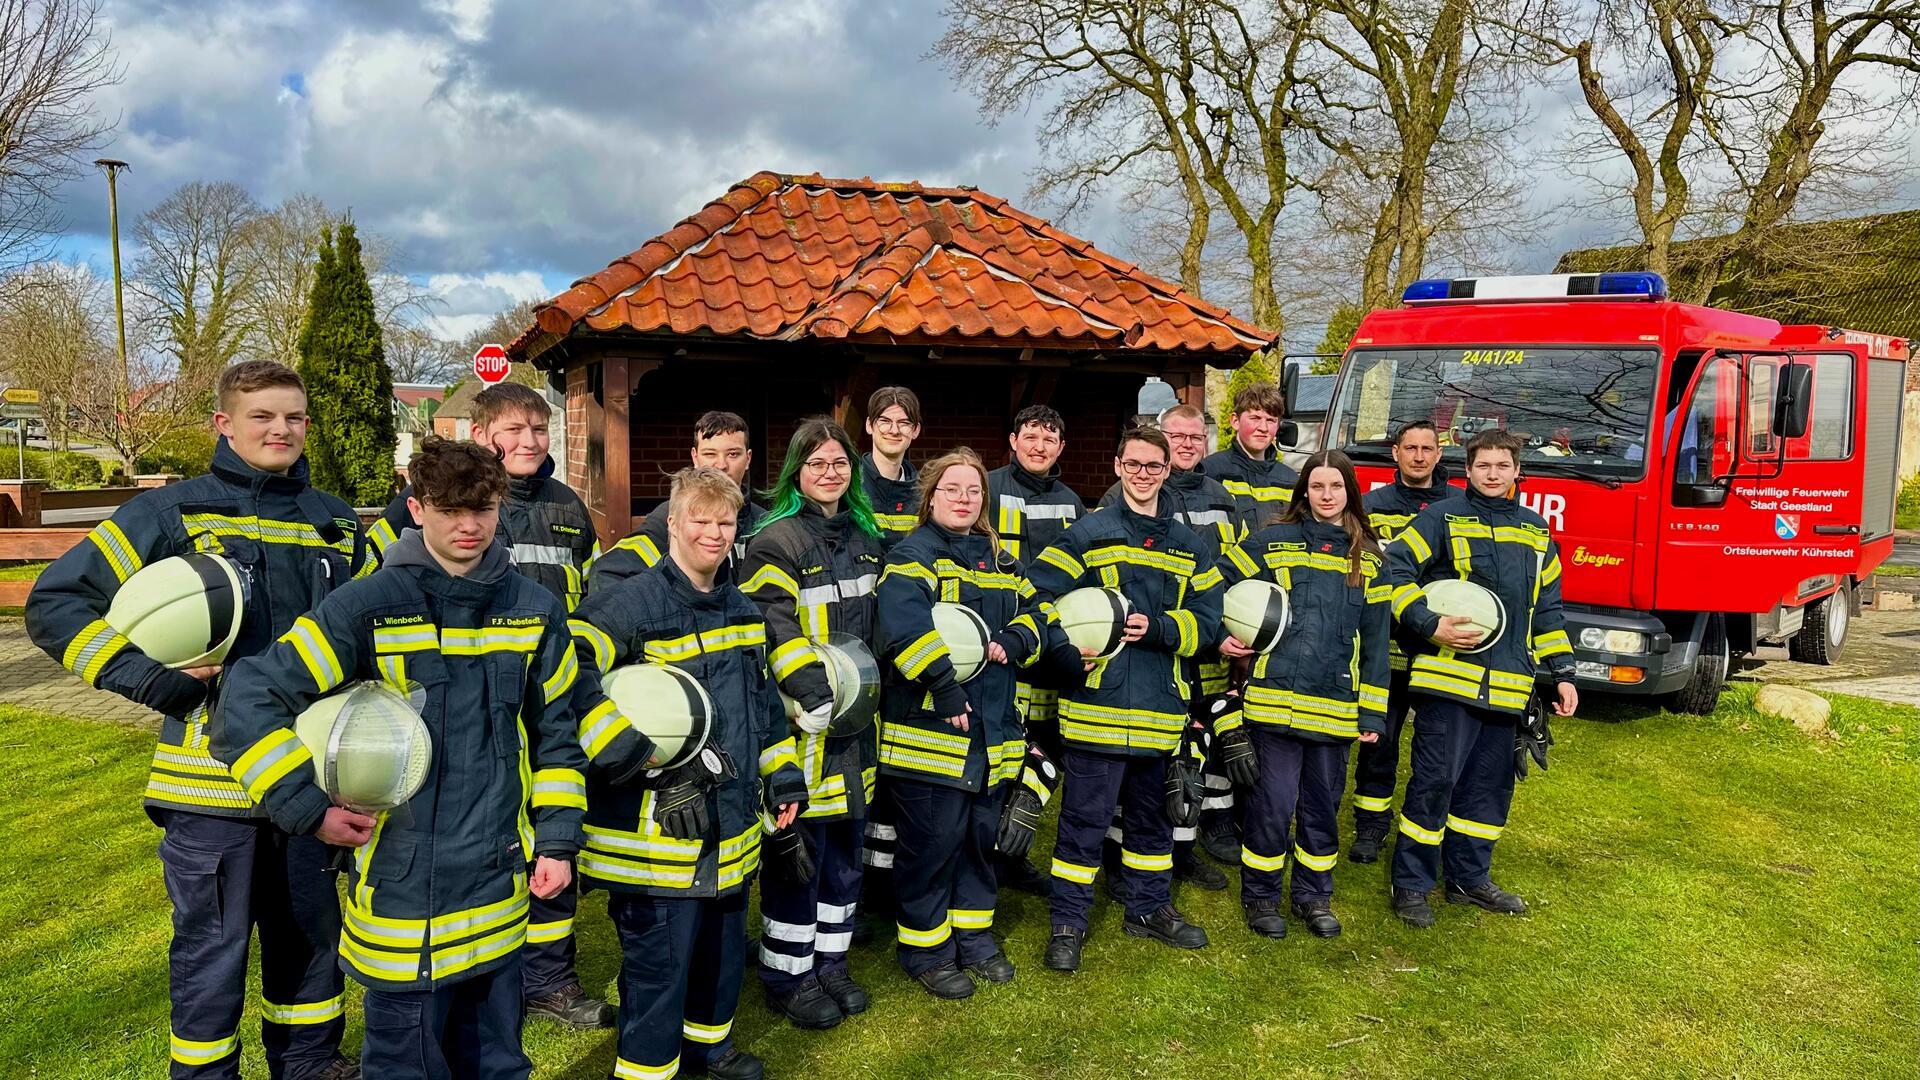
1289,434
1289,385
1793,401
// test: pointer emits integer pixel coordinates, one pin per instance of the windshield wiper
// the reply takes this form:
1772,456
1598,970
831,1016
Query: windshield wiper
1555,468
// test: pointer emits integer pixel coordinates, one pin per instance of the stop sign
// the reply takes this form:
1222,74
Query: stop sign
490,363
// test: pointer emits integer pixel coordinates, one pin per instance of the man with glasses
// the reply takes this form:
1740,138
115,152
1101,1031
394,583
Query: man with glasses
719,441
1122,724
1251,467
1030,510
893,422
1204,505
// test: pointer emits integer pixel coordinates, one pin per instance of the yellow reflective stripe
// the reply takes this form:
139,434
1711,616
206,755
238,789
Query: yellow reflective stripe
1474,828
970,919
596,639
1447,665
1258,493
599,727
771,575
1074,872
705,1034
196,1052
633,1070
1135,860
113,543
1243,562
90,650
414,637
777,755
1403,597
1376,803
1413,830
1127,555
1524,535
642,546
1373,697
1551,643
1189,629
477,641
1552,573
1416,543
909,570
900,523
790,656
1065,563
914,660
315,1012
539,933
925,939
1271,864
559,787
1304,858
277,753
316,652
688,646
1207,579
557,684
265,530
380,534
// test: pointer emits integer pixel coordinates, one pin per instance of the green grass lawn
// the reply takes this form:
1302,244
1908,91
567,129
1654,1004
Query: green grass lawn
1712,897
21,571
1898,571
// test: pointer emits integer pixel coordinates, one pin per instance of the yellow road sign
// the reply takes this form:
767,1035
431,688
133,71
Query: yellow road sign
20,395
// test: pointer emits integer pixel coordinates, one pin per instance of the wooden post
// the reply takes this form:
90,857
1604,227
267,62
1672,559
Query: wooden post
618,453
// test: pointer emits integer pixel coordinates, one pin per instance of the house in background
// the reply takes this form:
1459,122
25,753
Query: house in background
796,295
413,407
1858,273
453,419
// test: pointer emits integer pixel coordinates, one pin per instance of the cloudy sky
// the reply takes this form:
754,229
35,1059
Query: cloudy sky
508,148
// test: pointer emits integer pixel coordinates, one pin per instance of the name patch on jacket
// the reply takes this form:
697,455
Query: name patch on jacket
566,530
516,620
399,620
1286,545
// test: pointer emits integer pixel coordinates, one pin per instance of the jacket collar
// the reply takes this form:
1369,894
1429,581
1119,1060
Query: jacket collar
523,488
1035,483
687,592
1492,504
908,474
1272,454
1436,488
229,466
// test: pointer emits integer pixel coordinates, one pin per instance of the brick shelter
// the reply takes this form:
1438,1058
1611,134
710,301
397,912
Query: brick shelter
790,296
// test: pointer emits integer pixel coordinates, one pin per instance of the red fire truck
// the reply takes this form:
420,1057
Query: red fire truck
1715,481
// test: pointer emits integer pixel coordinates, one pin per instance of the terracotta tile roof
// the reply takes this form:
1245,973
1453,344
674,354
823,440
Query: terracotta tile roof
784,257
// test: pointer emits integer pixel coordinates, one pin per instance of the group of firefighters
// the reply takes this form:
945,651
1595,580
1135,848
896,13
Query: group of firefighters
458,909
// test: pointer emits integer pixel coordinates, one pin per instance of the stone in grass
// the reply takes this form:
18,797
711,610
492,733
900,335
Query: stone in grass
1807,710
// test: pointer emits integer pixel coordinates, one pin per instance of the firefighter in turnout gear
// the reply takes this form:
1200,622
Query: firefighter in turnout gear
1468,694
677,849
1121,726
1029,508
437,901
1202,504
720,442
1251,468
811,568
227,869
1420,479
1320,689
553,542
893,487
949,751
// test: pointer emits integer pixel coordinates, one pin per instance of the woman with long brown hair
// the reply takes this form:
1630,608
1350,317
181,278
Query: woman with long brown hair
951,749
1306,701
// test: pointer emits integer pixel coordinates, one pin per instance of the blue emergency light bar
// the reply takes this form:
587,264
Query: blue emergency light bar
1639,284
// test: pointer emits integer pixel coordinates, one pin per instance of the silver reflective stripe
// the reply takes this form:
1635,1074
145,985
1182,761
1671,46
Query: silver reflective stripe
546,554
833,944
814,595
461,926
791,965
1062,511
785,931
1207,517
852,587
265,763
833,912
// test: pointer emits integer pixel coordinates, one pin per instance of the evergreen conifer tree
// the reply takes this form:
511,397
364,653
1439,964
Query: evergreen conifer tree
349,386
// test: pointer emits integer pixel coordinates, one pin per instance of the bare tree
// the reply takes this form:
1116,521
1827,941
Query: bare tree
193,276
1747,107
416,355
54,54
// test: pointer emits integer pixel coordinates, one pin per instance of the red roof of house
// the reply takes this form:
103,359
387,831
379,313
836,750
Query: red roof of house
412,394
784,257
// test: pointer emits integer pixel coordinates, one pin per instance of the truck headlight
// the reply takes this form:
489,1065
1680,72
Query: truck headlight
1613,641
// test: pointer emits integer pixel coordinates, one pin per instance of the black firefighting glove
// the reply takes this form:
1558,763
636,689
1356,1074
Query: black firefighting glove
1237,758
1020,818
1186,787
1531,736
789,855
680,799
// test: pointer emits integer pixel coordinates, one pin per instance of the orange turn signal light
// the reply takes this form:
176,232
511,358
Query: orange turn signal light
1623,674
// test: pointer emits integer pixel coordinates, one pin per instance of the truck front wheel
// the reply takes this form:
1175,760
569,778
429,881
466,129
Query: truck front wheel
1823,636
1702,693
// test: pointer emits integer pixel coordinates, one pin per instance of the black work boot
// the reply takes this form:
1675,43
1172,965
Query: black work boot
995,969
1369,836
736,1064
1489,896
1412,907
571,1006
1198,872
1168,927
806,1006
340,1068
1318,915
1264,918
1219,839
946,982
849,995
1063,949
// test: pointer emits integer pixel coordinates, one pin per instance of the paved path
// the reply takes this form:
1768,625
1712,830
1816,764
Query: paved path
28,677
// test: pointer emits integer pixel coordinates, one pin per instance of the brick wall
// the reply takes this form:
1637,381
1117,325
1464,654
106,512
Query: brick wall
968,406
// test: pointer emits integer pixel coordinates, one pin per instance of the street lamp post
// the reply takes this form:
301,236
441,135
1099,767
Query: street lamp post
123,404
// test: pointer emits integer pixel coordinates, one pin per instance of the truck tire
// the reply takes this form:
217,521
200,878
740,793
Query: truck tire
1823,636
1702,693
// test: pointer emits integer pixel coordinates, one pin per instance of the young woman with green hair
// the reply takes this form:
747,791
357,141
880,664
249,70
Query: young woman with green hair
811,566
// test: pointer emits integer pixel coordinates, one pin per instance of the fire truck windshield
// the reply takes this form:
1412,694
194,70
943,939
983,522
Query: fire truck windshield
1584,411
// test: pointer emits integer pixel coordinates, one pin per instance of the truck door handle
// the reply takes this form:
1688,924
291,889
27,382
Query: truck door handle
1836,530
